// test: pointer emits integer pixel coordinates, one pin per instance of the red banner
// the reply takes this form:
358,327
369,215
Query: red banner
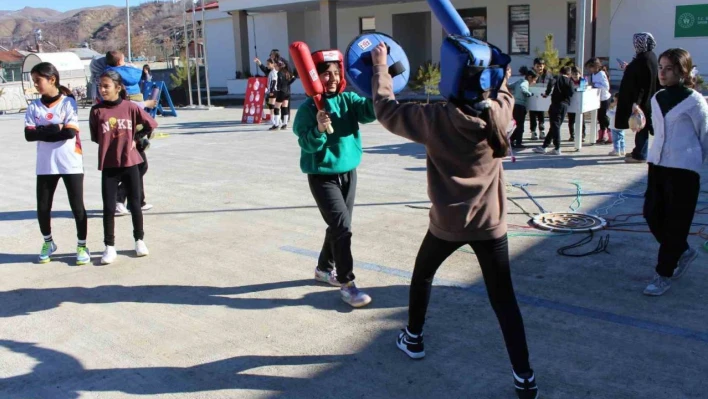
255,100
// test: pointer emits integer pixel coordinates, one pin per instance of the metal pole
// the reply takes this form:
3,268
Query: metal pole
127,11
186,53
580,56
196,53
206,58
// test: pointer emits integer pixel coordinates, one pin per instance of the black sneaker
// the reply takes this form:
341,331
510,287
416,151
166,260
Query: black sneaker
411,344
274,128
284,127
526,387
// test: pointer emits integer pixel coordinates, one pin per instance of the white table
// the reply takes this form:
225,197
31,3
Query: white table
581,103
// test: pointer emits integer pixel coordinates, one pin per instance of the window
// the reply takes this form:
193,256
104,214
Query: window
519,17
476,21
572,18
367,24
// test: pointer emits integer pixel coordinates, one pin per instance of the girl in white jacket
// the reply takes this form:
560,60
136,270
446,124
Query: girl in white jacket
599,80
679,150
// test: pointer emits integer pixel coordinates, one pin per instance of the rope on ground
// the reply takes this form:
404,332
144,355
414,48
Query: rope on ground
600,248
578,193
522,187
621,197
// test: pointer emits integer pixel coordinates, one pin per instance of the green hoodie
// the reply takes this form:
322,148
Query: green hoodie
340,152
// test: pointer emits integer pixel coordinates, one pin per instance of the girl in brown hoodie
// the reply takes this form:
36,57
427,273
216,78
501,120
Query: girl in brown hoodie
466,186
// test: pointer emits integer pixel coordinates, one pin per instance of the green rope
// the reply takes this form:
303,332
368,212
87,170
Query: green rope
705,246
579,191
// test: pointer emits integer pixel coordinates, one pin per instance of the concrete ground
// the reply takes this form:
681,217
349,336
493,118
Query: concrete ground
225,305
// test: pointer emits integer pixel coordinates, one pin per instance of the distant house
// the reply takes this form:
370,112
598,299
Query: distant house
11,66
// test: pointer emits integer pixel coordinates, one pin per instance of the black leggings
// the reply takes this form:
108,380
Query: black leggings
602,117
143,168
130,178
46,186
493,257
537,119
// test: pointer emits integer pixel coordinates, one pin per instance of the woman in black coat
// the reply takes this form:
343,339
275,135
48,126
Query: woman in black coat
639,84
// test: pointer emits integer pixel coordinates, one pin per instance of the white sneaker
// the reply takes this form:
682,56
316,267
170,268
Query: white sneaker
141,249
542,135
540,150
614,153
109,255
121,210
146,207
554,152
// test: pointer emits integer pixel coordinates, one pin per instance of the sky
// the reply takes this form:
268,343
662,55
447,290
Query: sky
63,5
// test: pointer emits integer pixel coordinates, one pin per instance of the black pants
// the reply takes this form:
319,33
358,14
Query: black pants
493,257
556,114
669,206
46,186
602,117
571,124
142,168
537,117
334,195
130,178
520,117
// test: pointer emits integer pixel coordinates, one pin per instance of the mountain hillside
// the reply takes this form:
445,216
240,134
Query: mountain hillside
103,28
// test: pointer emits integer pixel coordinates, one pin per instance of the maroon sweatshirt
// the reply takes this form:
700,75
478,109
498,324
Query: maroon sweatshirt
113,126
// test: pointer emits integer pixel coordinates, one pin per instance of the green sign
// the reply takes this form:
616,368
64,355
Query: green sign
691,21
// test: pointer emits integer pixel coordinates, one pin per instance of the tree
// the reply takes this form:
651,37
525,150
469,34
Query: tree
182,73
428,79
550,56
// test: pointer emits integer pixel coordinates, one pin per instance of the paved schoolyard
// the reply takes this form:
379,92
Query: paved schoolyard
225,305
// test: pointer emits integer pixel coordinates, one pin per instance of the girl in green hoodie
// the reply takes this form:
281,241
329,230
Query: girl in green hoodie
330,162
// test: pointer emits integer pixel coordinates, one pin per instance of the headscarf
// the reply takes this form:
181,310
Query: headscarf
644,42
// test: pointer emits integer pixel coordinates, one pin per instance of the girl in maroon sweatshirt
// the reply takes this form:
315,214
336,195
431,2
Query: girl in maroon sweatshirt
114,125
464,147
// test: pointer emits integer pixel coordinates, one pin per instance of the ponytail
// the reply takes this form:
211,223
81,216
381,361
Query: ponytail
65,91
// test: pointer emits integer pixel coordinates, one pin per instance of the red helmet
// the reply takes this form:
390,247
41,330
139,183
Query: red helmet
319,57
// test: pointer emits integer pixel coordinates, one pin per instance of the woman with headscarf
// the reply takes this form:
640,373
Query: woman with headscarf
639,84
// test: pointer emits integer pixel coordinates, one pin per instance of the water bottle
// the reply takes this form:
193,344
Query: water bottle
583,84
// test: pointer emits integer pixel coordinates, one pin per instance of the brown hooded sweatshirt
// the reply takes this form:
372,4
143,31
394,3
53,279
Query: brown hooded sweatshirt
465,182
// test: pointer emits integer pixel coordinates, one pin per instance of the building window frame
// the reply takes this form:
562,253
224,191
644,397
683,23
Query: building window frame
363,20
516,24
572,22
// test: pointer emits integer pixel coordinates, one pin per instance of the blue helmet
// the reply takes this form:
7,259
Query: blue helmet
469,68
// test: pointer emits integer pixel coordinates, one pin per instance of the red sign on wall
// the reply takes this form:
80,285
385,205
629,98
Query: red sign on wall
254,101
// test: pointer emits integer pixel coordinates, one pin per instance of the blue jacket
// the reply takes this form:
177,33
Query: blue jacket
131,77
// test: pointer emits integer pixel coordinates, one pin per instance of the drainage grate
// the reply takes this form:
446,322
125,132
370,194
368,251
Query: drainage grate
569,222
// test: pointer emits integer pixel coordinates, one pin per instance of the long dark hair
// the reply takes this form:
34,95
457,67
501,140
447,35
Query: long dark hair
285,70
683,65
47,70
144,75
596,63
117,80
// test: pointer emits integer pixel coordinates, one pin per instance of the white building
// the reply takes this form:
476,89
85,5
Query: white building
240,30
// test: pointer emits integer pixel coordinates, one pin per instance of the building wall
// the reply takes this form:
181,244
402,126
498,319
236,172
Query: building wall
632,21
267,31
547,16
220,48
274,30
